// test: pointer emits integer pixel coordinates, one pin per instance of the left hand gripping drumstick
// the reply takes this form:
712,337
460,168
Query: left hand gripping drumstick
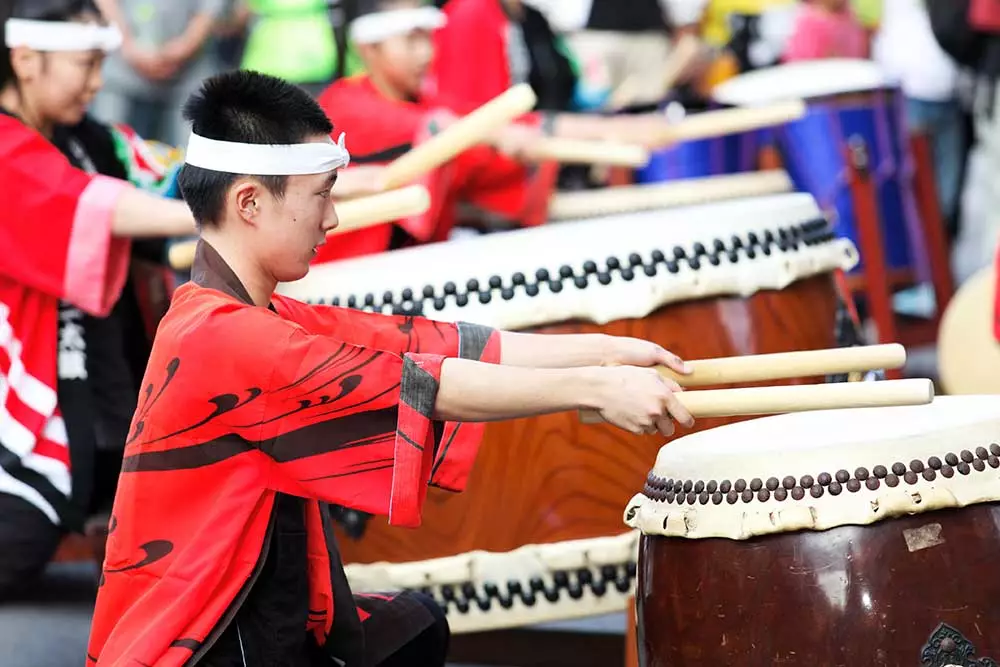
467,131
353,214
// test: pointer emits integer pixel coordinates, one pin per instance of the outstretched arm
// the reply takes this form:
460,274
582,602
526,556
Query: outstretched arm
65,232
575,350
399,334
635,399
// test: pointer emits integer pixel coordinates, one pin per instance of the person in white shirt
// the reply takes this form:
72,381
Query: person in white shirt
906,49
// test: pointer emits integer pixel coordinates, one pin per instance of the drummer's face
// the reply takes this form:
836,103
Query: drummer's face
402,61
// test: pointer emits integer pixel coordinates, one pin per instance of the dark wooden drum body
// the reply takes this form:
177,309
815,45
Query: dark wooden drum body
551,480
882,554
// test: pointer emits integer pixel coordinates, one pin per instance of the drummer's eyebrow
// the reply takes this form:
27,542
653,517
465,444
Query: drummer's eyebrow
331,180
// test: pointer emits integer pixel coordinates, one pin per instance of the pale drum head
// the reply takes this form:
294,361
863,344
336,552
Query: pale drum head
810,80
821,470
598,270
968,352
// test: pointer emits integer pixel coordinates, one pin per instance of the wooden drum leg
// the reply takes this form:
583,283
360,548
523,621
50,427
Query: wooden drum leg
631,635
932,223
871,246
769,158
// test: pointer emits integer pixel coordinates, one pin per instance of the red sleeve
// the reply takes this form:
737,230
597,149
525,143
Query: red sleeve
314,415
56,230
375,126
378,131
470,56
457,448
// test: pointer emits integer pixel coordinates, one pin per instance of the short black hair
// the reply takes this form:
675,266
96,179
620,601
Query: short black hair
248,108
38,10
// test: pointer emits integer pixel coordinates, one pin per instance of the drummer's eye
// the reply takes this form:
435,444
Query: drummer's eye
328,185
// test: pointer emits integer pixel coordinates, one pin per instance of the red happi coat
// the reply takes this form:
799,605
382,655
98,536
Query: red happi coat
474,27
380,129
241,402
55,245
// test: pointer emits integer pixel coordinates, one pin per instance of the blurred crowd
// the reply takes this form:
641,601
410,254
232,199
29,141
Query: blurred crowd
589,55
596,66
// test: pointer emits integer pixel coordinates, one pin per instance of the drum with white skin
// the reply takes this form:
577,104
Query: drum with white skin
537,535
849,101
843,537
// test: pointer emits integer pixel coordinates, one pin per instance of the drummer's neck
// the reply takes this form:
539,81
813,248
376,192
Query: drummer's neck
387,90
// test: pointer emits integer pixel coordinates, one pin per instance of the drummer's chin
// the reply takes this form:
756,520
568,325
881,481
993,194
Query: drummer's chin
293,271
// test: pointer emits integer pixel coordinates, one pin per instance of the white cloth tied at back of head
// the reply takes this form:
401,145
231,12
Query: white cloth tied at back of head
61,35
266,159
377,27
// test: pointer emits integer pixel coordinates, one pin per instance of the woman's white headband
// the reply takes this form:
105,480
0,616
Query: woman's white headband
266,159
377,27
61,35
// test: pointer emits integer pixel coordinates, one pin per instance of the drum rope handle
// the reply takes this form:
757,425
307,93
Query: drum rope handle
748,401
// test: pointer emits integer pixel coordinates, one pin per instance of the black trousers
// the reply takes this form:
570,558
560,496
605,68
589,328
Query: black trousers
428,649
28,540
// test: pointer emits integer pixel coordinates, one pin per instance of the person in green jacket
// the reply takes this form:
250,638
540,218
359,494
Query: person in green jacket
294,40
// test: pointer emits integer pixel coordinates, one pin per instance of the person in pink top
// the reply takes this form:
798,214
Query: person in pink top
826,29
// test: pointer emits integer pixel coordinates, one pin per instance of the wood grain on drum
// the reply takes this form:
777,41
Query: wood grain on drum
845,597
551,478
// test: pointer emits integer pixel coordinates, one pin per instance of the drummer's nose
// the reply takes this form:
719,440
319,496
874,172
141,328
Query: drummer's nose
331,220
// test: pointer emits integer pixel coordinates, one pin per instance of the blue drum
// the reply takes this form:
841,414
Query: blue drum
846,99
700,158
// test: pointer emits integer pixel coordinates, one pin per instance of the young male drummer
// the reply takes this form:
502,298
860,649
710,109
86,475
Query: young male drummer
255,408
390,108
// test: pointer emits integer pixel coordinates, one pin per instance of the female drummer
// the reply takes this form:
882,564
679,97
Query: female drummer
72,348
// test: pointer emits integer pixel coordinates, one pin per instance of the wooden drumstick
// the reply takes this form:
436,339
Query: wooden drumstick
730,121
685,192
353,214
783,365
780,366
748,401
582,151
474,128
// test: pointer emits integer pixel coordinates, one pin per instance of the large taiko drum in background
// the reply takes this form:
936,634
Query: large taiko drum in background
545,496
847,99
837,538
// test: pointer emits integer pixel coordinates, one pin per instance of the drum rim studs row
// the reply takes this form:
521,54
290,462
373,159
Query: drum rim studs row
408,301
691,492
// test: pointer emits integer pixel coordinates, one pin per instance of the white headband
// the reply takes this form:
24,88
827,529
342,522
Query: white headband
377,27
61,35
266,159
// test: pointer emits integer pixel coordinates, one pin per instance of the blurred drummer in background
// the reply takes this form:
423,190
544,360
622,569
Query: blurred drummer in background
386,114
827,29
393,106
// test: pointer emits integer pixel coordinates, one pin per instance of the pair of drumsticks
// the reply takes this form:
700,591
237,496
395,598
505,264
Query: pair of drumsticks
399,200
795,398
